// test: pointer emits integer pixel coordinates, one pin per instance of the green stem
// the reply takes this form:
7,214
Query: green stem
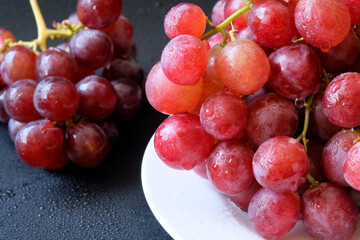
302,136
326,77
312,181
221,27
298,40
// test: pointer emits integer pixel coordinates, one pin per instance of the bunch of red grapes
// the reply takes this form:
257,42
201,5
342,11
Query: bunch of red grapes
266,108
57,109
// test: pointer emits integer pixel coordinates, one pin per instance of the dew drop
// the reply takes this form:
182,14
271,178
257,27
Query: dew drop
299,103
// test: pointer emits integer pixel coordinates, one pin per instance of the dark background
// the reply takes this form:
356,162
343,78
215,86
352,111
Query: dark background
73,203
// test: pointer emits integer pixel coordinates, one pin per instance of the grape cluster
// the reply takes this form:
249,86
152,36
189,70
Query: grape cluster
265,106
57,109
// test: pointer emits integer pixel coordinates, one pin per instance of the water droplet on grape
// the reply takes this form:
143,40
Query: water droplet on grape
299,103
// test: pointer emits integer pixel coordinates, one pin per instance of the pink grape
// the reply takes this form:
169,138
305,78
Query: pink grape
333,155
318,27
244,66
98,97
18,57
270,115
341,100
328,212
223,115
39,143
181,142
273,214
56,98
352,166
168,97
217,13
121,34
229,167
272,23
13,128
86,144
295,71
5,35
19,101
281,164
231,6
4,116
185,18
56,62
184,60
91,48
98,13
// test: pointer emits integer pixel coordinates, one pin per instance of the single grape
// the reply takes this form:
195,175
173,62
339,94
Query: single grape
121,34
217,13
91,48
265,89
272,23
56,98
229,167
223,115
244,67
5,35
123,68
61,161
200,169
185,18
352,166
246,33
328,212
281,164
168,97
19,103
56,62
318,27
98,13
341,100
18,57
13,128
274,214
270,115
333,155
181,142
111,132
39,143
130,98
98,97
295,71
184,60
86,144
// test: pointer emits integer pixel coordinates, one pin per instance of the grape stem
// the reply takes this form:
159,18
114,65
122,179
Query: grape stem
302,136
63,30
221,27
312,181
298,40
326,77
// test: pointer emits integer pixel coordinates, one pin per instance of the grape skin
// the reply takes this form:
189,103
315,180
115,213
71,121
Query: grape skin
181,142
13,128
318,27
217,13
341,100
229,167
274,214
328,212
352,166
244,67
281,164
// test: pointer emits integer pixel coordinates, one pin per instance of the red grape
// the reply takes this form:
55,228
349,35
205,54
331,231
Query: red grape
231,6
352,166
184,60
281,164
185,18
274,214
4,116
243,199
5,35
217,14
13,128
181,142
123,68
328,212
98,13
229,167
244,66
354,9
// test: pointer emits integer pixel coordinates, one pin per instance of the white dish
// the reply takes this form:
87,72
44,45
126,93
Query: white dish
188,207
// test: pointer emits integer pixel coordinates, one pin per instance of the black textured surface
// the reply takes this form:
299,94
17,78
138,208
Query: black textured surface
103,203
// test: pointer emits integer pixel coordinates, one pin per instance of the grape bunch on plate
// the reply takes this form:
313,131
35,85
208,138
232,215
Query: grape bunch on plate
58,110
265,105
